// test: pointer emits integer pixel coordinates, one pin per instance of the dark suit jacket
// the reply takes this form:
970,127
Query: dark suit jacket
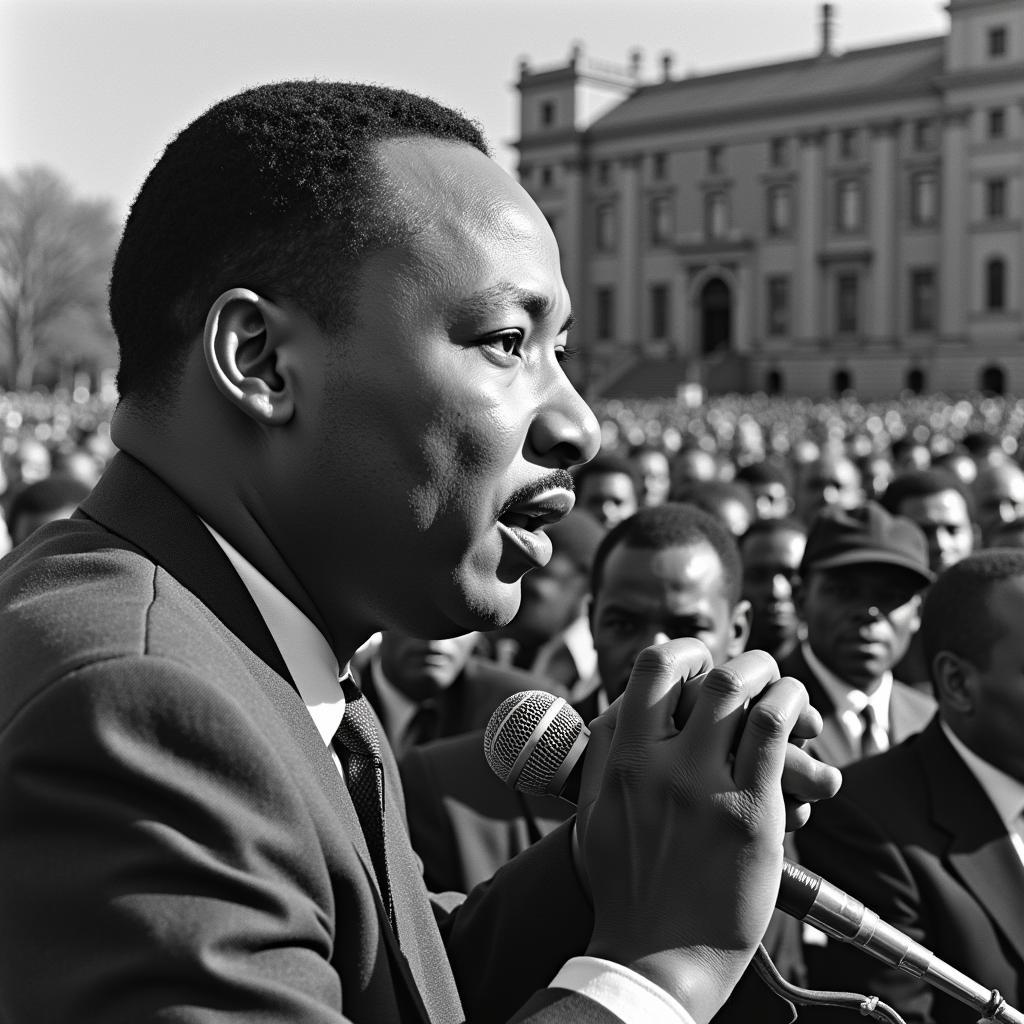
175,840
468,703
913,836
909,712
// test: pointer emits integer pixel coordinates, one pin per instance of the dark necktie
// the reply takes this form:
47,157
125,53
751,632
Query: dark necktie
868,743
358,746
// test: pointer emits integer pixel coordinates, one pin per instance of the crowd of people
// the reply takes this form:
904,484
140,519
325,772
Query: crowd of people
255,790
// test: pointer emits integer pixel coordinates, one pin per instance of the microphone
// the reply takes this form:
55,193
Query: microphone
535,743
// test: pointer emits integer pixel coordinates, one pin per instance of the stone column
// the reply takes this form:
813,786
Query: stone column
810,190
954,293
882,320
630,227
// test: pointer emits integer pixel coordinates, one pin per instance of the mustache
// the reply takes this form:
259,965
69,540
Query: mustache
558,479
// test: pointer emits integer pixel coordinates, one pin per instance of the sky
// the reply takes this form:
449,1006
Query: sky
95,89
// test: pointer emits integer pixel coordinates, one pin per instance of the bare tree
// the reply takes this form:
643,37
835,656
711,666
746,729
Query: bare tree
55,256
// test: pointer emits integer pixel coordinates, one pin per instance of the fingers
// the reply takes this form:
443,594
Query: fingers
764,741
652,694
722,701
806,779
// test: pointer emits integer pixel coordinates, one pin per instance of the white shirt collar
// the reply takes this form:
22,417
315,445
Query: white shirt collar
577,639
305,650
850,702
1005,792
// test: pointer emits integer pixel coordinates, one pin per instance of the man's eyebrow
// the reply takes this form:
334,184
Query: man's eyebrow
536,305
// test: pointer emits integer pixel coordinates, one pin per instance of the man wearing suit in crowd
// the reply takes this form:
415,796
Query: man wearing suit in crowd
342,411
423,690
860,580
668,571
930,834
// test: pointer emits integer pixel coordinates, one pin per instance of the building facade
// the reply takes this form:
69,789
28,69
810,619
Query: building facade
850,221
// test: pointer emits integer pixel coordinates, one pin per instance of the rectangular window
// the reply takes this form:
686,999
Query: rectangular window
922,299
604,172
995,285
605,318
547,113
924,199
780,210
995,198
659,311
604,227
847,303
848,140
659,167
997,41
777,305
996,123
547,176
849,205
662,226
716,215
714,160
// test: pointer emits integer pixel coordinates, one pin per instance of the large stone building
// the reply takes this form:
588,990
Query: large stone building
849,221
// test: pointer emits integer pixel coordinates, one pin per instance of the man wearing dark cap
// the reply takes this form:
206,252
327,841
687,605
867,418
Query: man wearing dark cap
859,597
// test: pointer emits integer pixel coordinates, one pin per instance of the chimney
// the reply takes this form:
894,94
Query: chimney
666,66
827,24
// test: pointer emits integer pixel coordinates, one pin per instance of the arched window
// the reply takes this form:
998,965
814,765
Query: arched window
773,383
992,380
915,380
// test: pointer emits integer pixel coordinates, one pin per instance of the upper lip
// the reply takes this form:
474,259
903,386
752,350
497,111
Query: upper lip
542,509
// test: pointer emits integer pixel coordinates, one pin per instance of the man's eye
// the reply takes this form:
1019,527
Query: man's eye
508,343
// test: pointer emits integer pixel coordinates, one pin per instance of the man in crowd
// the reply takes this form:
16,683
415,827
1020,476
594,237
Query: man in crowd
771,551
654,472
342,411
829,480
770,485
861,576
940,506
607,488
930,834
53,497
422,690
731,503
998,492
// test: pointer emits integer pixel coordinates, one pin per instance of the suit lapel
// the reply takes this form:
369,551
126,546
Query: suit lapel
980,852
833,744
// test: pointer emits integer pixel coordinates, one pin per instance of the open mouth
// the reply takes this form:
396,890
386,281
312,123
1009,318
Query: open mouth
523,523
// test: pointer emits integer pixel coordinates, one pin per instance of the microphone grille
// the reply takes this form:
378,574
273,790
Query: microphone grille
512,729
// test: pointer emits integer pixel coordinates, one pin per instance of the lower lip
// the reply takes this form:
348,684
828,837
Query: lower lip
536,546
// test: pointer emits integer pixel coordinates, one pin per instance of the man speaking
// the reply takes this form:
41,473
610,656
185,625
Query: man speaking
342,409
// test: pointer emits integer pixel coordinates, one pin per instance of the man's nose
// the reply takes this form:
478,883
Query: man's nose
565,431
781,587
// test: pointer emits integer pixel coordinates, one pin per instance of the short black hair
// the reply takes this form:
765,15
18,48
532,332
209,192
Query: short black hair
762,527
276,189
920,483
709,495
765,472
605,464
956,616
667,526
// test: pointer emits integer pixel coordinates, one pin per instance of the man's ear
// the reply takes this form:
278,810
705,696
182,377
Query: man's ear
242,344
741,620
951,677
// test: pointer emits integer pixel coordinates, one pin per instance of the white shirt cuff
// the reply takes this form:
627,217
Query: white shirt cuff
630,996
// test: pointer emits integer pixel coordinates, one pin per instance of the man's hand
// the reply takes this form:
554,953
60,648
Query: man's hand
681,828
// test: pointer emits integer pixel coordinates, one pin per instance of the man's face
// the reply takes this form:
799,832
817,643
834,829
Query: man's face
860,619
771,499
827,482
421,669
946,524
654,473
647,597
432,433
608,497
997,691
998,496
770,564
